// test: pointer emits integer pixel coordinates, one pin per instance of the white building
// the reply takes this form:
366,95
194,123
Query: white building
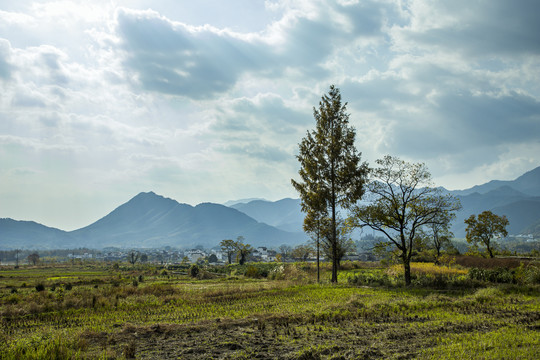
194,255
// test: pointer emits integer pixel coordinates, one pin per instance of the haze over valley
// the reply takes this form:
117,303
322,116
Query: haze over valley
151,220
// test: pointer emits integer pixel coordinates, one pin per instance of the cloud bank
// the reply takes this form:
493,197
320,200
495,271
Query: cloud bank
201,103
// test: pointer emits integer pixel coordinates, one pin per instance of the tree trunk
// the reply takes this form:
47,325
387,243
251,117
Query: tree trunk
318,261
490,252
334,245
407,268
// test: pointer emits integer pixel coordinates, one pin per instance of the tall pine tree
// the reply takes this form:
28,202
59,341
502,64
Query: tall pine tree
333,176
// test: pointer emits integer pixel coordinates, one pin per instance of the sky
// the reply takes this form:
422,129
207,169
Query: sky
207,100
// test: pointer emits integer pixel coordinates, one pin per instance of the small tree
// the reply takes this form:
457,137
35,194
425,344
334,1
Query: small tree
133,256
144,258
332,174
185,260
194,270
439,234
343,244
243,251
302,252
285,251
317,224
33,258
17,251
212,258
402,202
228,246
484,229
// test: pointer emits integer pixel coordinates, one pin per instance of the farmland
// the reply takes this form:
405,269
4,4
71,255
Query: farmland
268,311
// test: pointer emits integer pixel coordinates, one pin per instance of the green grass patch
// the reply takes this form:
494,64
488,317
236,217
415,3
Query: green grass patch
120,313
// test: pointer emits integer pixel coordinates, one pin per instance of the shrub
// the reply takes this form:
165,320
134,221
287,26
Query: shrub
40,287
252,272
277,273
498,275
529,274
487,294
194,270
533,275
431,280
371,278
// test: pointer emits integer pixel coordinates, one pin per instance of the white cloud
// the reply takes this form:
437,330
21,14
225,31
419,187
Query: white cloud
107,99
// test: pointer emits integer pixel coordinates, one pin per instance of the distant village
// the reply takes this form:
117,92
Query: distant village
174,256
362,250
162,256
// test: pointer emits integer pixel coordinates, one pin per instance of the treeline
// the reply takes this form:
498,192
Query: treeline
397,199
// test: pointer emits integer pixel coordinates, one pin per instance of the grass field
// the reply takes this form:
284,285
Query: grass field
266,311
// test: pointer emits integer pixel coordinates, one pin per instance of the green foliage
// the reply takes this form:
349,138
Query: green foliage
498,275
194,270
253,272
371,278
243,251
529,274
42,347
483,230
402,202
331,171
228,246
302,252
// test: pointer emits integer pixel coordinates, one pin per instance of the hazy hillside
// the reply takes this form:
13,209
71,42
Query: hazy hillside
16,234
528,184
517,199
284,214
510,198
150,220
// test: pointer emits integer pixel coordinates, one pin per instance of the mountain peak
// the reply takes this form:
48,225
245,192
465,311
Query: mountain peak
151,196
146,195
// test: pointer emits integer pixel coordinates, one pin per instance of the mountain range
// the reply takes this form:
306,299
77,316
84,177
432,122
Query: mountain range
518,199
151,220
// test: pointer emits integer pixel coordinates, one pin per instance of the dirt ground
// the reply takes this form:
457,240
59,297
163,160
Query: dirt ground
279,338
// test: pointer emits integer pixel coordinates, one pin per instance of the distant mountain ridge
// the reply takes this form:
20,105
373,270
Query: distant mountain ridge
528,184
285,214
518,199
150,220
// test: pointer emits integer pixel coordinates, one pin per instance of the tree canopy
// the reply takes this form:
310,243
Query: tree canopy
243,251
484,228
402,201
228,246
331,170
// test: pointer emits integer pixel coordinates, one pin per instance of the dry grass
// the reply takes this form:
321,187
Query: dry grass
427,268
